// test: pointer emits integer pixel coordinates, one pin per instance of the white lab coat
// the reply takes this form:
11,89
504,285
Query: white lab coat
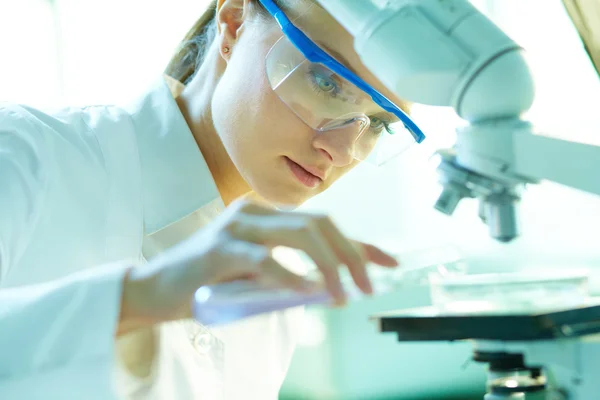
83,194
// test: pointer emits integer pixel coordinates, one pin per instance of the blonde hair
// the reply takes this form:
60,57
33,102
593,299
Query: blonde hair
190,54
191,51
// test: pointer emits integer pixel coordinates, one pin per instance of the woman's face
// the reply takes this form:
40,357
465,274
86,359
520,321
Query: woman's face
282,158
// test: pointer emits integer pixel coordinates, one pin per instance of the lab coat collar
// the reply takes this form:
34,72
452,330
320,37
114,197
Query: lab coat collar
176,180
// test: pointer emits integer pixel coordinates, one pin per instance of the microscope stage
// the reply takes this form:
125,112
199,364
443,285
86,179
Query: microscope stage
434,324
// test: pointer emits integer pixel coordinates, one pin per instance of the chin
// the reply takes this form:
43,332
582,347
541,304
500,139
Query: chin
285,199
282,196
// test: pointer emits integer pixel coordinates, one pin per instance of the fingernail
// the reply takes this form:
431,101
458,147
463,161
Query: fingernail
367,286
391,259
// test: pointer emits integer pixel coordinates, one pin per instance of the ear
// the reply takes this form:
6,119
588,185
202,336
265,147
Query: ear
230,18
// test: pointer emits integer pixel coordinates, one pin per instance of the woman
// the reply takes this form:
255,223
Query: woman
87,195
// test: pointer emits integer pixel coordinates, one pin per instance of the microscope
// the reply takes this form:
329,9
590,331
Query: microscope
447,53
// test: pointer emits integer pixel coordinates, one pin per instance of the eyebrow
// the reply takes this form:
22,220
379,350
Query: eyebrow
338,56
403,105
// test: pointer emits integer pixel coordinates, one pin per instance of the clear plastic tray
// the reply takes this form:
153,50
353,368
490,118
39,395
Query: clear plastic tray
417,267
515,292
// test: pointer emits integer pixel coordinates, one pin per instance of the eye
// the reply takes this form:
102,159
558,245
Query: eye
377,123
325,84
323,81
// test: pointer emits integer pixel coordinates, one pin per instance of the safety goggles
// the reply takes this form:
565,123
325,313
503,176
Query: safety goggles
332,99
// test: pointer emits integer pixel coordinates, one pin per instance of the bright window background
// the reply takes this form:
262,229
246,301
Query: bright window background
75,52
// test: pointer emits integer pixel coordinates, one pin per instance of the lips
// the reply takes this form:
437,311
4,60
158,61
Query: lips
314,171
308,176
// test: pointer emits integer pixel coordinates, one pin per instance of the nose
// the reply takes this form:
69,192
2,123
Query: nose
340,143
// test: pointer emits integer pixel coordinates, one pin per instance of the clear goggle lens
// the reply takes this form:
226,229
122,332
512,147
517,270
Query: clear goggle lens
330,104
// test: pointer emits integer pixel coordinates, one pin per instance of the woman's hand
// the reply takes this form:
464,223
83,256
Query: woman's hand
237,245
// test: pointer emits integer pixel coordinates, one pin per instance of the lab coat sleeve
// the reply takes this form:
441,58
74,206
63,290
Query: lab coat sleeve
59,335
24,170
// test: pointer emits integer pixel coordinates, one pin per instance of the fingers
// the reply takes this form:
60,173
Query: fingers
274,274
351,254
295,232
306,234
327,262
378,256
255,262
317,236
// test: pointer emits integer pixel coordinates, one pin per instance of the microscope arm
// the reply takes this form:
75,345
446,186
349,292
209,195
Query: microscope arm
510,152
568,163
